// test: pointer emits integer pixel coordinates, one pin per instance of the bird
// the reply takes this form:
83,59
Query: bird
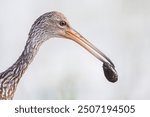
49,25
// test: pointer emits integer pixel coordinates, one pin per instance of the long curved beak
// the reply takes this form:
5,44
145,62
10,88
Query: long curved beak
75,36
108,65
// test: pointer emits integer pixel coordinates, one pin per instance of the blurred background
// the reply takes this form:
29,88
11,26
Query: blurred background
64,70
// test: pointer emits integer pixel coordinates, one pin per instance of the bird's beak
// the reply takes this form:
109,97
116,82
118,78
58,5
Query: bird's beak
75,36
108,66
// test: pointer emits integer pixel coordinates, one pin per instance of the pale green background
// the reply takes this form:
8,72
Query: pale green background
64,70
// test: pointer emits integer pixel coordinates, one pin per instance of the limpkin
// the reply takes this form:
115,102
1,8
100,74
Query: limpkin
48,25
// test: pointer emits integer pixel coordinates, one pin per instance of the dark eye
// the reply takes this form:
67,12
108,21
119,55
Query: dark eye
62,23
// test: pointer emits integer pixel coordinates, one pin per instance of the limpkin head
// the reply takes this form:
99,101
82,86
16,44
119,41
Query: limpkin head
55,24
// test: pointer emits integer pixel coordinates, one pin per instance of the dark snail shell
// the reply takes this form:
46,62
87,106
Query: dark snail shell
110,72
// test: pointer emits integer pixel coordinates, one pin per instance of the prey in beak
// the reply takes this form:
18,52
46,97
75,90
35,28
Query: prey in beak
108,66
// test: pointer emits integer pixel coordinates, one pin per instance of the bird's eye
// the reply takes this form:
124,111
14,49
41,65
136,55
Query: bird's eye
62,23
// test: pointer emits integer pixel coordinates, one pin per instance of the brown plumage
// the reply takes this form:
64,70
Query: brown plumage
49,25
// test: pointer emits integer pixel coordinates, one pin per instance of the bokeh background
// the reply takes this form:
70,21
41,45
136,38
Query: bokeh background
64,70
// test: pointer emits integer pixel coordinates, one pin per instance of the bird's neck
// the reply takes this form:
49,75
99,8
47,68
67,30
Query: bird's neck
10,78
